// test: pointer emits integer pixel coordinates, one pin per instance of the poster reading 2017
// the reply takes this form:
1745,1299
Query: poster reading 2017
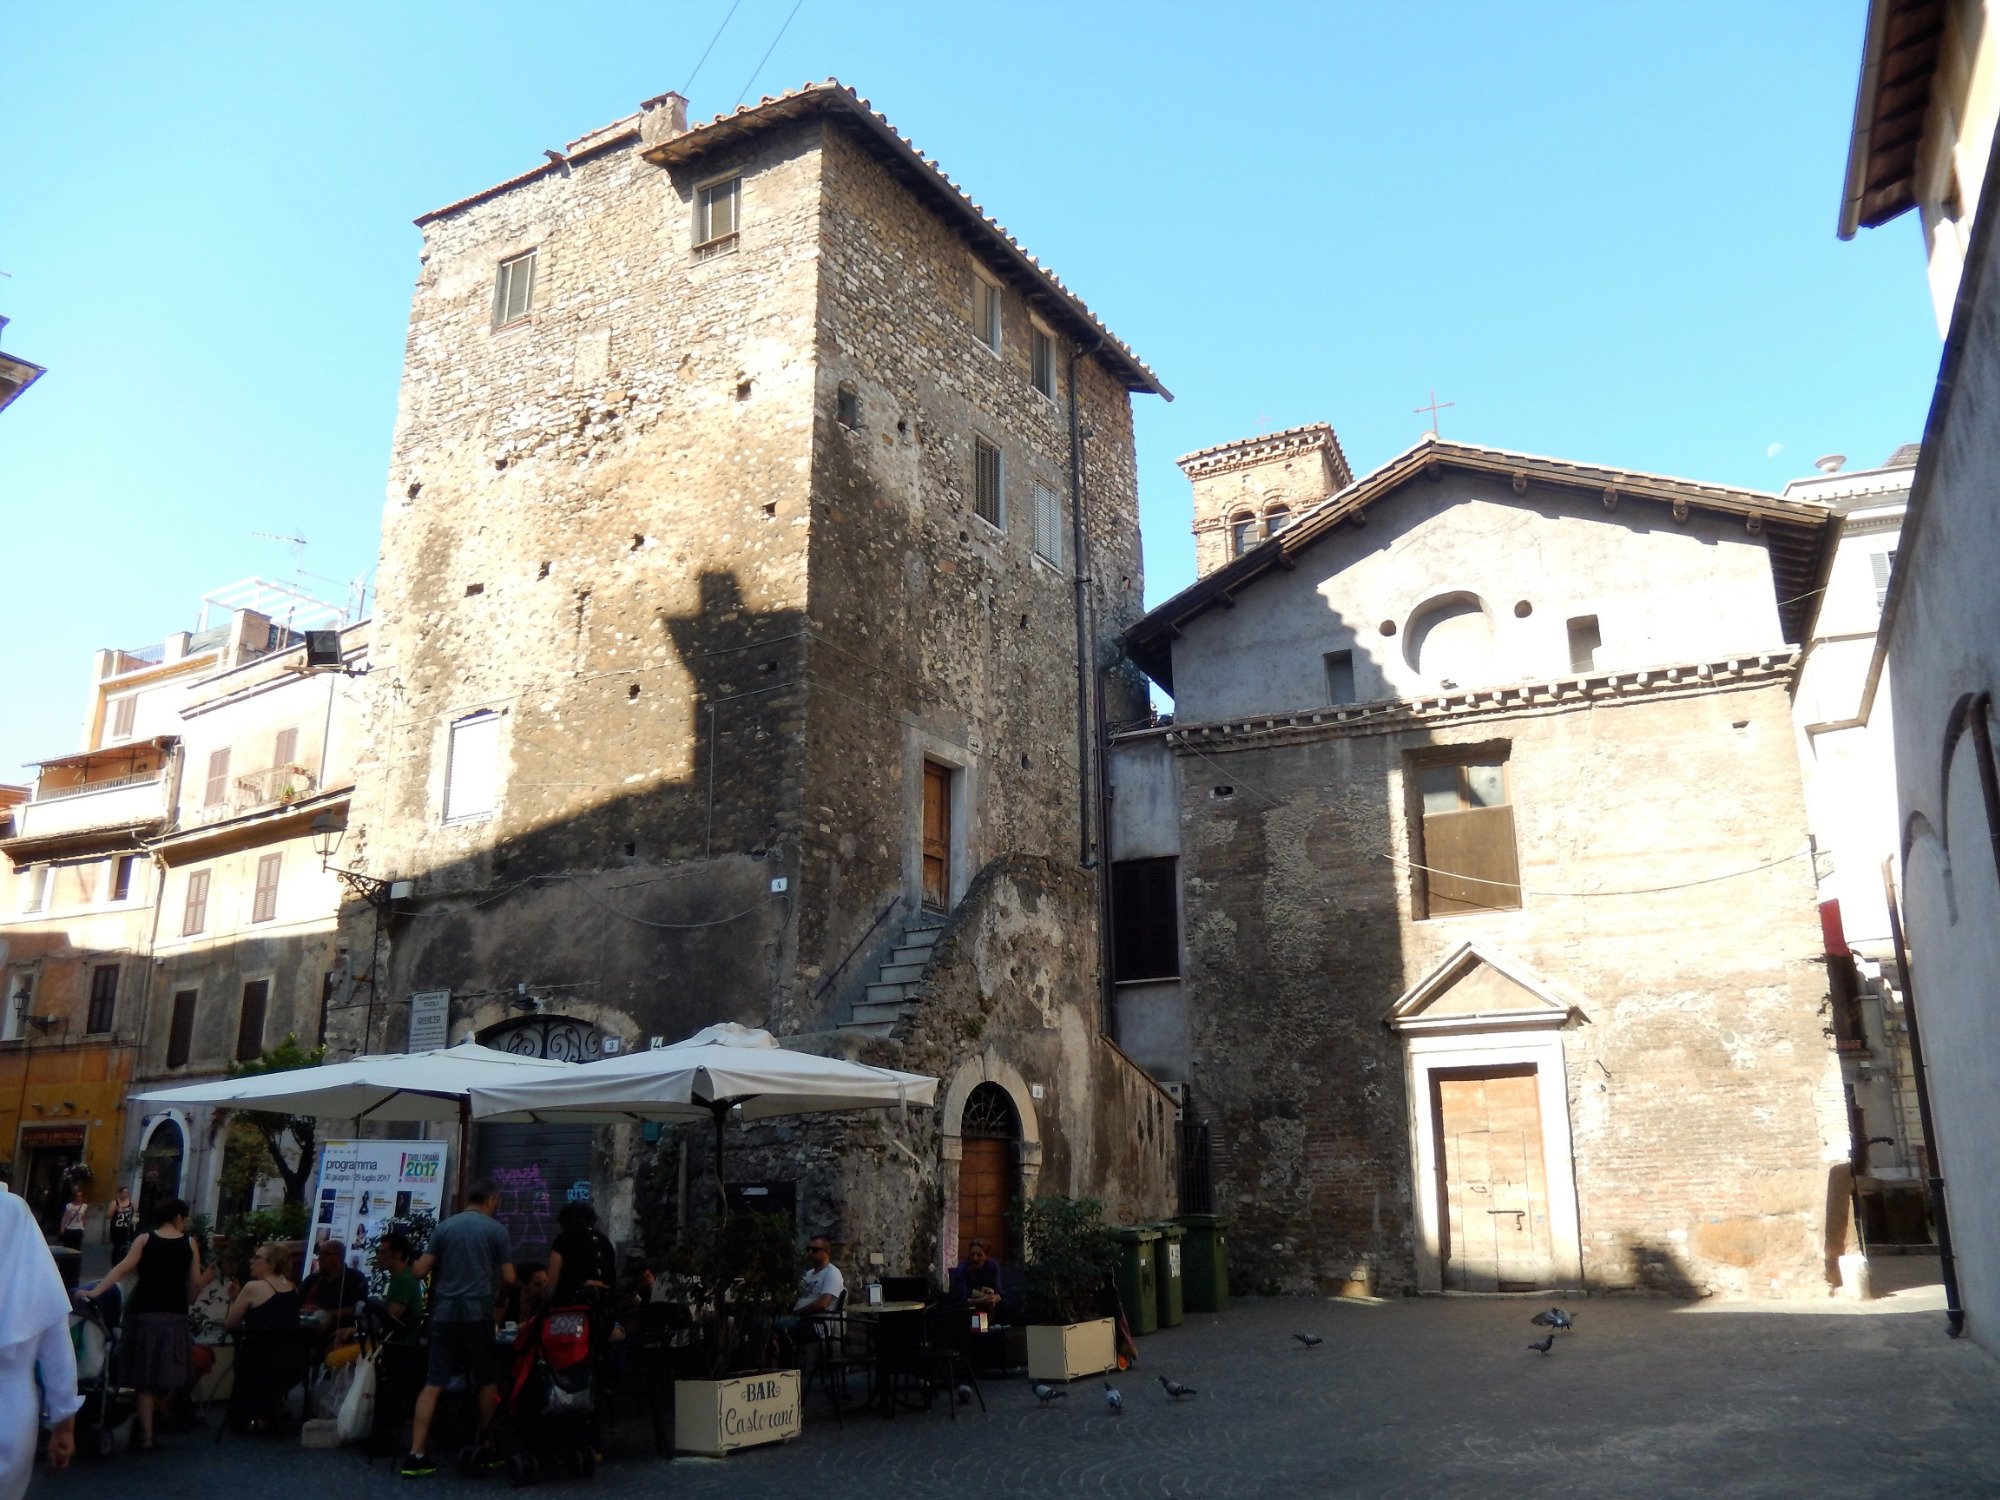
365,1186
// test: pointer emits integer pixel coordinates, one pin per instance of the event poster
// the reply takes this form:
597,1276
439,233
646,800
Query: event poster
365,1186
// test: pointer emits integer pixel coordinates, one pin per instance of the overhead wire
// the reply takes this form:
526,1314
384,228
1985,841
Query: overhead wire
1527,890
710,47
768,51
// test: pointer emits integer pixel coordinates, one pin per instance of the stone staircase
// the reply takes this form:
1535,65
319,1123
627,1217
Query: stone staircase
898,987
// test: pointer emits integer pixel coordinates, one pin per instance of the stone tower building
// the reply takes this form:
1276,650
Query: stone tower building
760,519
1253,488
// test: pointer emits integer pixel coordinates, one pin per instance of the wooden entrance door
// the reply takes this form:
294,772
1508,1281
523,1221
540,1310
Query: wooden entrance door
985,1194
1494,1188
937,836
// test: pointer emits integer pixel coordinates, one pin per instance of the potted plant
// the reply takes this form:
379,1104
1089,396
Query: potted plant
1069,1258
754,1260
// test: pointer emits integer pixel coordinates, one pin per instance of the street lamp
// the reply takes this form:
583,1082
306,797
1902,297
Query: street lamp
328,829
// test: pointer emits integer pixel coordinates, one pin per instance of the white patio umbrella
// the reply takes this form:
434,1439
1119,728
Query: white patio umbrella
375,1086
718,1071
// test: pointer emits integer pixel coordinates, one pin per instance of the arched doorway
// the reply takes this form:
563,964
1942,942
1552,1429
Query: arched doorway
160,1163
537,1168
989,1179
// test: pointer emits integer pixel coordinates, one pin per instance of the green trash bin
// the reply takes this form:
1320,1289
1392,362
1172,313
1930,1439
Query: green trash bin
1168,1257
1138,1277
1205,1262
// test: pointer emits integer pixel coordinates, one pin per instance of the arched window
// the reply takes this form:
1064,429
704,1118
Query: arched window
1242,534
1276,519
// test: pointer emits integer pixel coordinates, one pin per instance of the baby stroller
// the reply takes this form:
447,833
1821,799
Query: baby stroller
548,1408
93,1331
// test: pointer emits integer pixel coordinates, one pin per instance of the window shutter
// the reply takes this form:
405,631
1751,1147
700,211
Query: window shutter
180,1035
1048,524
194,915
1470,860
1883,564
985,480
285,749
121,876
250,1023
123,713
215,791
103,997
264,905
1145,921
471,769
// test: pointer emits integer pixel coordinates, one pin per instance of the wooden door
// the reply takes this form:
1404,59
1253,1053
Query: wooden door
985,1194
1494,1190
937,836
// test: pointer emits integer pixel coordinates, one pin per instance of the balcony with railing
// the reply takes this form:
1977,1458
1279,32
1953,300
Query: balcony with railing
253,791
112,802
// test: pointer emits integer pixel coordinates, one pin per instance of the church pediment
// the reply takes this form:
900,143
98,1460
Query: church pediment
1476,989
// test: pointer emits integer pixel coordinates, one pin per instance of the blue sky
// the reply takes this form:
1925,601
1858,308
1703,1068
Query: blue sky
1604,231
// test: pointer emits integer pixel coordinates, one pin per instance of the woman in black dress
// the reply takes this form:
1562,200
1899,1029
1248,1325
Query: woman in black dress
270,1348
153,1357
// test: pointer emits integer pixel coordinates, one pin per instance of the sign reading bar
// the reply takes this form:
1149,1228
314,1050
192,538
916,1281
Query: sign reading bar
430,1020
365,1185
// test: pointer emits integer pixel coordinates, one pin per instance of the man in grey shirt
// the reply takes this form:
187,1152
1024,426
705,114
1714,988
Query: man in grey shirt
472,1259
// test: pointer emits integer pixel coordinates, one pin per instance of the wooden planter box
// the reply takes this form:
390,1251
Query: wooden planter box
1072,1350
715,1417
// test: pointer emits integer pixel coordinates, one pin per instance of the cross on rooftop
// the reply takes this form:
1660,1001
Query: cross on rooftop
1434,408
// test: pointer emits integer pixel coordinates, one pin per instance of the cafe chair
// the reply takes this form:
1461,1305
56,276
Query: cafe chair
948,1336
839,1347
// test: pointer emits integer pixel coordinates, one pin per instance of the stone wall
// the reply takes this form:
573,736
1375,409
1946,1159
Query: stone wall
1704,1099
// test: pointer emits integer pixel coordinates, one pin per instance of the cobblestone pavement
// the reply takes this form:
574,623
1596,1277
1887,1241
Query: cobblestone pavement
1428,1398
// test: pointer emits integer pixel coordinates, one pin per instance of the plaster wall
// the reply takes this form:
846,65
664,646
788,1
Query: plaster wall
1704,1098
1662,591
1943,651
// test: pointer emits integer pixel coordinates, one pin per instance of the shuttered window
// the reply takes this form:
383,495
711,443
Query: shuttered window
986,312
1048,525
103,997
123,712
1042,363
514,291
1466,855
215,790
1145,920
194,914
122,869
1242,535
250,1022
717,216
985,480
1884,563
35,884
472,768
264,904
285,748
180,1034
1276,519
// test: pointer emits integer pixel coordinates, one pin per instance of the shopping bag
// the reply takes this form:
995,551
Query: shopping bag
357,1411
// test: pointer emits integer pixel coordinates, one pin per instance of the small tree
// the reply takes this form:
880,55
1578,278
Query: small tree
286,1057
1069,1257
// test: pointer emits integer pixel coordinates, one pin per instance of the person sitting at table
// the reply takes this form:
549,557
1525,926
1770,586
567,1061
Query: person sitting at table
405,1297
270,1351
334,1290
975,1281
822,1286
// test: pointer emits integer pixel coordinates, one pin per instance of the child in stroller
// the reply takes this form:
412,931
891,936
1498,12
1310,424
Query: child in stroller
548,1406
93,1332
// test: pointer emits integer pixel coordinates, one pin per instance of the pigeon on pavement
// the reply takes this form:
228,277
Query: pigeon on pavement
1175,1389
1545,1345
1113,1400
1047,1393
1310,1340
1555,1317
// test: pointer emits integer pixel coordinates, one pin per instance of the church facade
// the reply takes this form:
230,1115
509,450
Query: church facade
1499,965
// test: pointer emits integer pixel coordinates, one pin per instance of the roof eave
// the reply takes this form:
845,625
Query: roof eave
840,102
